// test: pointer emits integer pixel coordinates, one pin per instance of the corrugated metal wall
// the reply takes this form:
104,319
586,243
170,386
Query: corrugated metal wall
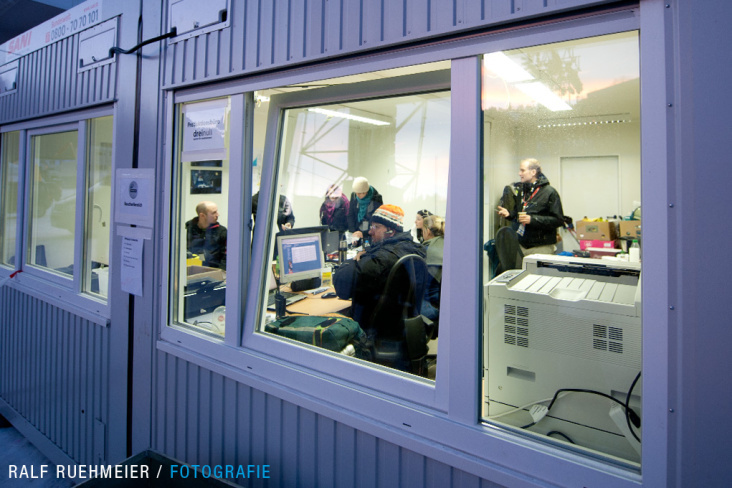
54,371
49,82
273,34
202,417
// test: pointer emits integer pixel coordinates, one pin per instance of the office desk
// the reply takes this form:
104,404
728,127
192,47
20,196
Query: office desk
315,305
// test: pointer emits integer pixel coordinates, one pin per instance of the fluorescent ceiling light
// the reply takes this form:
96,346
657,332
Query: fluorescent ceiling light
346,115
512,73
501,65
539,92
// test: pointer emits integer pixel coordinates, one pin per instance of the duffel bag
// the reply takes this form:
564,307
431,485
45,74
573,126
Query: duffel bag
332,333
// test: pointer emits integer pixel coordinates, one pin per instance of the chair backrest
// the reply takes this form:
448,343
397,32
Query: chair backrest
508,250
403,292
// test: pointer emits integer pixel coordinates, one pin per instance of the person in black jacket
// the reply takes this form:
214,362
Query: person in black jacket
364,202
334,210
538,211
363,279
206,237
285,215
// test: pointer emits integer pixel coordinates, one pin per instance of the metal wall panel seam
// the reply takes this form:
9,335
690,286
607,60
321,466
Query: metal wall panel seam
367,453
53,62
231,41
32,82
325,450
345,455
43,81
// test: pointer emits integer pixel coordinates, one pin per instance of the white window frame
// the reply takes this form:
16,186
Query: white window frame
37,280
452,420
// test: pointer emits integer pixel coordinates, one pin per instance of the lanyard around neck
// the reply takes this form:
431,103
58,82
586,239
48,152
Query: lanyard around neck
527,200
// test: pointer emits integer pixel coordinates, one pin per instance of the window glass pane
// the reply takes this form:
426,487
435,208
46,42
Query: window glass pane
53,201
9,192
356,174
202,184
99,206
562,334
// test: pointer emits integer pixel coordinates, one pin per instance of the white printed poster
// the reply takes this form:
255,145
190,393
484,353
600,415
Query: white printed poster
131,272
204,131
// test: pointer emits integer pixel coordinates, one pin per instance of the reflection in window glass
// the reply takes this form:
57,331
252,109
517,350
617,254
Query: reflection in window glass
562,334
351,180
202,176
53,201
9,144
99,206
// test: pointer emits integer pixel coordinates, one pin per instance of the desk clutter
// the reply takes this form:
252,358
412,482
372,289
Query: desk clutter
607,238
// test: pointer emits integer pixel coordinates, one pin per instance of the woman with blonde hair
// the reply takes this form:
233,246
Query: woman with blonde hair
433,231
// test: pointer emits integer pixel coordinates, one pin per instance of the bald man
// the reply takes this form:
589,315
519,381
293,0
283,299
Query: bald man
206,237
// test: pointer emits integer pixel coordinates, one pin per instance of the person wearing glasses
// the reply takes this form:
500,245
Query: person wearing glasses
538,211
363,278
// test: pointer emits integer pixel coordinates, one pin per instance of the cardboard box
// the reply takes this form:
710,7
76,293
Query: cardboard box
630,228
602,231
599,252
205,273
596,243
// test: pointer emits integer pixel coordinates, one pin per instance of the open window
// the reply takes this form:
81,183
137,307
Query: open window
349,172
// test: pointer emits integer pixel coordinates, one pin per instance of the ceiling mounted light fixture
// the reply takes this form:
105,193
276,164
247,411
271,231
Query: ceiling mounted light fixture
347,115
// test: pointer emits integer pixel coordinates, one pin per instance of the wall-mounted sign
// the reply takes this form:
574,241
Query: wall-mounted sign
204,130
135,202
64,25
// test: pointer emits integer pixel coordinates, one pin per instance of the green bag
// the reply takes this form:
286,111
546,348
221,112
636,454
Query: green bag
332,333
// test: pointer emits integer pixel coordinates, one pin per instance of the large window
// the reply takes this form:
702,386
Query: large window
9,179
562,320
54,164
201,221
69,212
358,197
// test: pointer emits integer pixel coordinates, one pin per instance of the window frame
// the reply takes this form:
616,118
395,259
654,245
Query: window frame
61,289
20,215
456,424
370,375
237,261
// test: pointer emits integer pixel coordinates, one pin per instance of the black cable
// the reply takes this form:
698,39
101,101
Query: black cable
636,421
119,50
629,412
548,434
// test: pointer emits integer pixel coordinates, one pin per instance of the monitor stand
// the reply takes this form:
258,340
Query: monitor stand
308,284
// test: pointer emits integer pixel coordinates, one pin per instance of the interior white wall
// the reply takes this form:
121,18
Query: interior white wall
506,146
402,164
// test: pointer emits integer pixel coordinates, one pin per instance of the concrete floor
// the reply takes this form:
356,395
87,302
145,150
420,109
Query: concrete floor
17,452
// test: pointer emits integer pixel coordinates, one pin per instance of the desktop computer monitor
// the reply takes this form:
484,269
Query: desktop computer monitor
300,259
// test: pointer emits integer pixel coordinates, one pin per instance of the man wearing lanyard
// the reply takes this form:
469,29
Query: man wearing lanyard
538,213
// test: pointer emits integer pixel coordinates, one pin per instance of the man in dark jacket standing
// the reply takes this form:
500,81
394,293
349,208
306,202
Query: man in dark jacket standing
538,211
206,237
364,202
362,279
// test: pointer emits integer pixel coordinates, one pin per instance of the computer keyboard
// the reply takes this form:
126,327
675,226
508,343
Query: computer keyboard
290,298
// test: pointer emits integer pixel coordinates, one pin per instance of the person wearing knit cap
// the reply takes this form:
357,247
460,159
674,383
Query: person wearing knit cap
364,202
363,279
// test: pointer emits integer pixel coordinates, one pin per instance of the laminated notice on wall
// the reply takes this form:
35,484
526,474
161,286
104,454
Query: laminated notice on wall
131,271
204,130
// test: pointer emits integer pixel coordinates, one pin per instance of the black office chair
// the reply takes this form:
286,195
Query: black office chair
397,330
508,250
